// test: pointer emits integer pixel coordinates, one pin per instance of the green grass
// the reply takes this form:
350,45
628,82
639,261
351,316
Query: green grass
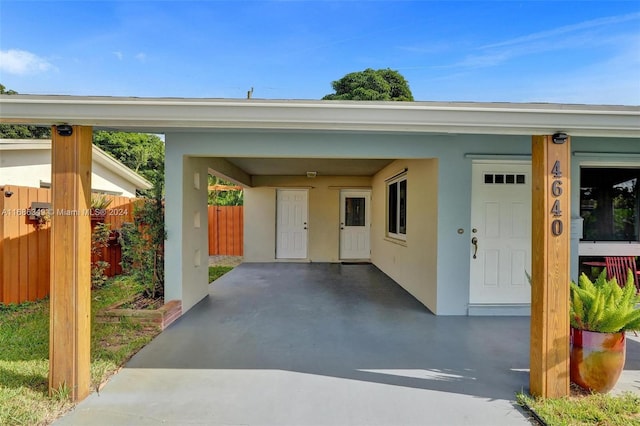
24,354
216,272
593,409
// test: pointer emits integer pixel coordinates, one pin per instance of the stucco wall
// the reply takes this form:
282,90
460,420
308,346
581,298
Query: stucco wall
186,251
453,201
324,215
411,263
33,166
454,154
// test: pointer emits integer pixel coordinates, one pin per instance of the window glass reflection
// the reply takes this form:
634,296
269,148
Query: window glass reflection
609,204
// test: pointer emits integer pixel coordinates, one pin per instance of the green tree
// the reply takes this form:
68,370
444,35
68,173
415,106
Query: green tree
141,152
21,131
220,197
371,85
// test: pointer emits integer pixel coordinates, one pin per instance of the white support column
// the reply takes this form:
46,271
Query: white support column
187,248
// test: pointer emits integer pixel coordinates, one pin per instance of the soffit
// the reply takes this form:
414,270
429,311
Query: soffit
300,166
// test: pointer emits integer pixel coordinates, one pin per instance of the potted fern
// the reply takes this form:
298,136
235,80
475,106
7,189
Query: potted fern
601,312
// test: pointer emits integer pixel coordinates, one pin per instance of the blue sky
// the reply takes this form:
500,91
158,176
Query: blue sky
502,51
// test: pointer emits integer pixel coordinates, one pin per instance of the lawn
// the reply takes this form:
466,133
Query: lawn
582,409
24,352
216,272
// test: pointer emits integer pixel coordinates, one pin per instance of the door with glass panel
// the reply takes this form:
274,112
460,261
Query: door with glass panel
355,224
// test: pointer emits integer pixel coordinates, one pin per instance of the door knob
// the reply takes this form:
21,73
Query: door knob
474,241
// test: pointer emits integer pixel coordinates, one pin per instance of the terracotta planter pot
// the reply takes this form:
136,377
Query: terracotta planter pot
597,359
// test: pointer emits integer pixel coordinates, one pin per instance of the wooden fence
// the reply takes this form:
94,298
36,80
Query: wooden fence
118,212
25,242
226,230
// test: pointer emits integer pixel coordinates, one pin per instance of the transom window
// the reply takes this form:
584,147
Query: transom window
397,207
506,178
609,204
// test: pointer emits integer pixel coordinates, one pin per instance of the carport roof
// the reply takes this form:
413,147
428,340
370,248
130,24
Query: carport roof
161,115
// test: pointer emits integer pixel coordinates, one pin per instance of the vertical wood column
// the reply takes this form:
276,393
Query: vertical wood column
551,228
70,332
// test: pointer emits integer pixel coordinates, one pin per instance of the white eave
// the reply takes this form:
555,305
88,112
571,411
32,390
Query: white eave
106,160
99,156
171,114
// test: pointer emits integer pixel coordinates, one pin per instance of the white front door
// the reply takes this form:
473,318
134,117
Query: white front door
291,229
355,224
500,235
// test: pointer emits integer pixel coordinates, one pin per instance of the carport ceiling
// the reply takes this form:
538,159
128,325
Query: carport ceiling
300,166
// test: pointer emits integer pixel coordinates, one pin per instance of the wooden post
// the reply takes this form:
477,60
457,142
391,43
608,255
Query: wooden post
549,351
70,332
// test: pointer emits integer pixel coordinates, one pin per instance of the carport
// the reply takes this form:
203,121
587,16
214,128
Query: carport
318,344
433,145
323,344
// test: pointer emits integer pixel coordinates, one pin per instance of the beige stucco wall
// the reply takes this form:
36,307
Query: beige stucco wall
411,263
324,215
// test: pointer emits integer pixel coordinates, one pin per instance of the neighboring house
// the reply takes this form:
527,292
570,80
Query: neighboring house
437,195
27,162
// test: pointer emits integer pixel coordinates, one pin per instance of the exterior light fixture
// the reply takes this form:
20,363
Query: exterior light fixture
312,174
64,130
559,138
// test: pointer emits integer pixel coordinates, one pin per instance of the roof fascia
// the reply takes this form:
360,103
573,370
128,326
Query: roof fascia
99,156
117,167
170,114
24,144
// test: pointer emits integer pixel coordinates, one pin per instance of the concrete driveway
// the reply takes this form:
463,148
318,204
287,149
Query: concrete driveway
318,344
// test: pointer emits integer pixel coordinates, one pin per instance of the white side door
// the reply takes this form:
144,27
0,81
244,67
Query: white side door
291,229
355,224
500,233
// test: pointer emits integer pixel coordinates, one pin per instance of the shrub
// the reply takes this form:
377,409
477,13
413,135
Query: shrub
143,244
99,240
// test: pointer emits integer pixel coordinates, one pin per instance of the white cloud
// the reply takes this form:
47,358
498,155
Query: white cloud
611,21
142,57
595,33
14,61
118,55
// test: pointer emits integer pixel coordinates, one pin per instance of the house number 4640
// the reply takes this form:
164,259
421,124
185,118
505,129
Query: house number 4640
556,191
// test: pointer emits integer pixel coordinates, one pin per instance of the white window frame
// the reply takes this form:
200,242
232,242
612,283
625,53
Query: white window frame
398,235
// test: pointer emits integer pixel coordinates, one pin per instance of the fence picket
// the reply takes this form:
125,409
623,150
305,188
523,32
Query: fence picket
226,224
25,250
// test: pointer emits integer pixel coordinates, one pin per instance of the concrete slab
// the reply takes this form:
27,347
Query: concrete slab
319,344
